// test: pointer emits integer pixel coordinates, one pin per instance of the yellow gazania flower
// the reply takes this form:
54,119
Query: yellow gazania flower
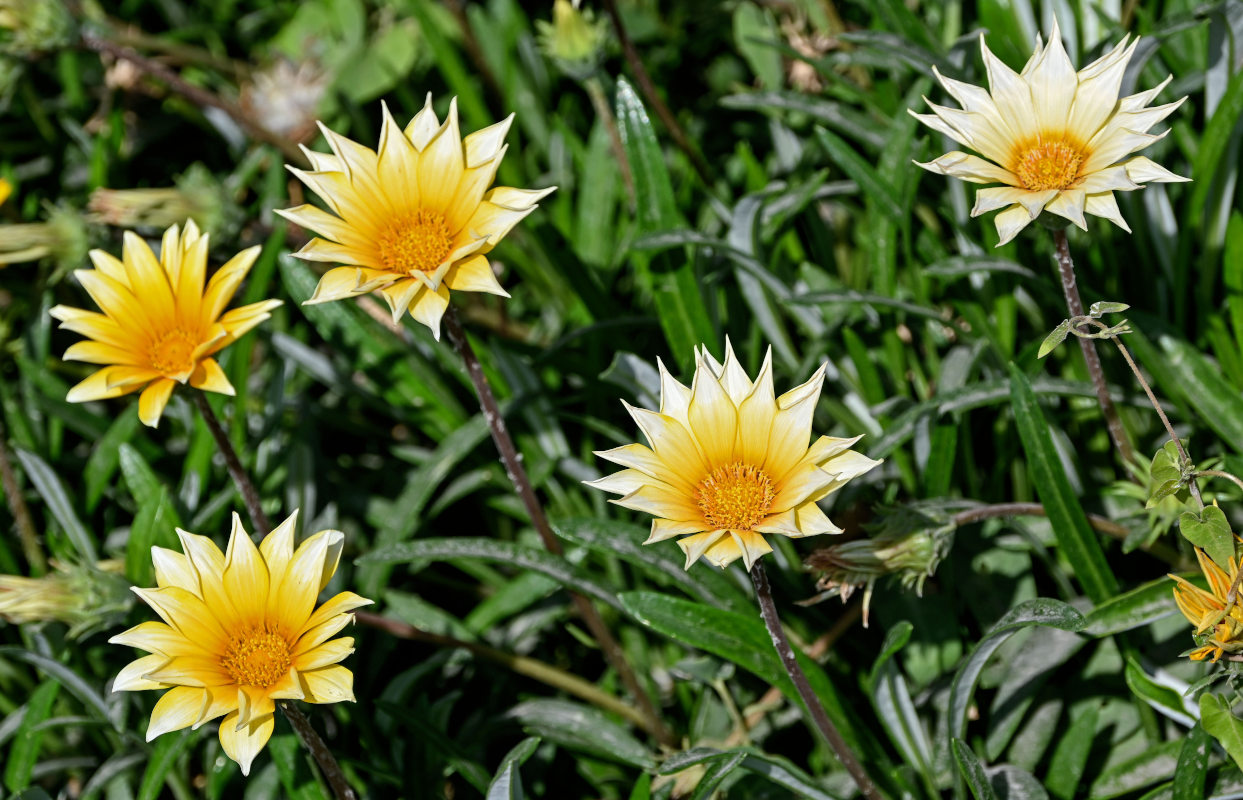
413,220
730,462
241,631
160,325
1052,136
1219,633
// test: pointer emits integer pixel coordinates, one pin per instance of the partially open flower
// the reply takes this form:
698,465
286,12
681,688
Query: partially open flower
1216,632
197,195
730,462
1054,138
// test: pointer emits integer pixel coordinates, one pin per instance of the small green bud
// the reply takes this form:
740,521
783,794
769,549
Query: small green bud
31,27
64,238
574,40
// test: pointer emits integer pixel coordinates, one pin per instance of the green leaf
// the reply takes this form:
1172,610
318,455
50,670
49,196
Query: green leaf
1133,609
72,682
1162,698
1040,611
582,729
1192,770
970,768
739,638
1210,532
155,524
1222,725
102,464
59,502
24,753
775,769
164,754
144,485
716,772
506,785
1070,757
541,561
1102,308
1153,764
1075,537
1055,337
1215,401
858,170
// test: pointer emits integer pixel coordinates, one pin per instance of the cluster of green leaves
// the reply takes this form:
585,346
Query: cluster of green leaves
1042,660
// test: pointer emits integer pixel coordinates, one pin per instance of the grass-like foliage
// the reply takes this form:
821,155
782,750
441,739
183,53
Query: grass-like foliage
895,503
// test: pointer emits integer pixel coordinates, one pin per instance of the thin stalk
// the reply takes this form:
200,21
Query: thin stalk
532,668
21,513
1217,473
250,495
768,610
601,104
512,462
1075,304
323,756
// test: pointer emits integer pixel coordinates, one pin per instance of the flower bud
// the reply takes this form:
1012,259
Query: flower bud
574,40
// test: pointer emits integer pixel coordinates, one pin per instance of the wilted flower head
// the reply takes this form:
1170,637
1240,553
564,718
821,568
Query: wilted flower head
729,462
413,220
198,195
160,324
83,597
1216,632
240,631
285,97
574,40
1054,138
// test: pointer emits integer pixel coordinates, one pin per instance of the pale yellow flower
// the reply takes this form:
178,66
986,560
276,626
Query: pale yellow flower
729,462
414,219
241,631
1055,138
162,321
1216,632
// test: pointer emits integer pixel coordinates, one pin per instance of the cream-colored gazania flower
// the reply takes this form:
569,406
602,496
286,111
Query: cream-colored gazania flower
1055,138
241,631
413,220
160,325
1215,631
729,462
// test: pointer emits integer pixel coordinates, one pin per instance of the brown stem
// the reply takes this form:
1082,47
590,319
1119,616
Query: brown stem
21,512
512,461
522,665
768,611
653,96
195,94
1098,523
601,104
1088,346
245,486
323,756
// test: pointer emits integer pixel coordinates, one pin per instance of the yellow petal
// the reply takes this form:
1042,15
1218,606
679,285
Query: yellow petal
441,164
132,677
243,745
428,307
474,274
339,605
334,684
158,637
174,569
695,546
209,377
153,399
180,707
277,549
324,655
713,419
245,576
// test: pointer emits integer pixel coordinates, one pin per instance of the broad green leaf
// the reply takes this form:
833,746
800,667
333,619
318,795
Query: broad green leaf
555,567
1070,757
1136,608
1040,611
1192,770
583,729
1210,532
1222,725
60,503
892,699
1155,763
506,784
970,768
24,752
1075,537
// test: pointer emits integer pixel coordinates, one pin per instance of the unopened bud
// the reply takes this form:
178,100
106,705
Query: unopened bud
574,40
31,27
84,598
63,238
197,196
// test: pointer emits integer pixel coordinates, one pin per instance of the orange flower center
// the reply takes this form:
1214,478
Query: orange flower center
1052,164
170,354
257,657
417,242
735,496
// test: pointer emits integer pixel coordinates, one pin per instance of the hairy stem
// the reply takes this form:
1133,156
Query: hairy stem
512,461
1075,304
522,665
768,610
21,512
245,486
323,756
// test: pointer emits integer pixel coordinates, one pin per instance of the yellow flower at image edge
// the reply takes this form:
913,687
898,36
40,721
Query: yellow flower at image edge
162,321
1052,136
1216,632
729,462
241,631
413,220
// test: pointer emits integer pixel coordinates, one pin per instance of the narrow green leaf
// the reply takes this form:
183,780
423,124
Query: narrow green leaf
144,486
582,729
858,170
59,502
1133,609
1075,537
971,769
1101,308
1162,698
506,784
72,682
24,753
717,772
1152,765
1192,770
1222,725
1055,337
102,464
541,561
164,754
155,524
1201,384
1070,757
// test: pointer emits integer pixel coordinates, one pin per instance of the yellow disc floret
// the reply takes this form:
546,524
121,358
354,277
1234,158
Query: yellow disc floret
1050,164
257,657
735,496
416,242
171,352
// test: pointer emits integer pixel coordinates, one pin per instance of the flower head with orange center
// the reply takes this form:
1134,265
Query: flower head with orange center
729,462
1215,631
162,321
414,219
240,630
1054,138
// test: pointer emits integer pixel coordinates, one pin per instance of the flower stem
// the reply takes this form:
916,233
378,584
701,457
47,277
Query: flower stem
21,512
512,461
323,756
1075,304
605,114
250,495
768,610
